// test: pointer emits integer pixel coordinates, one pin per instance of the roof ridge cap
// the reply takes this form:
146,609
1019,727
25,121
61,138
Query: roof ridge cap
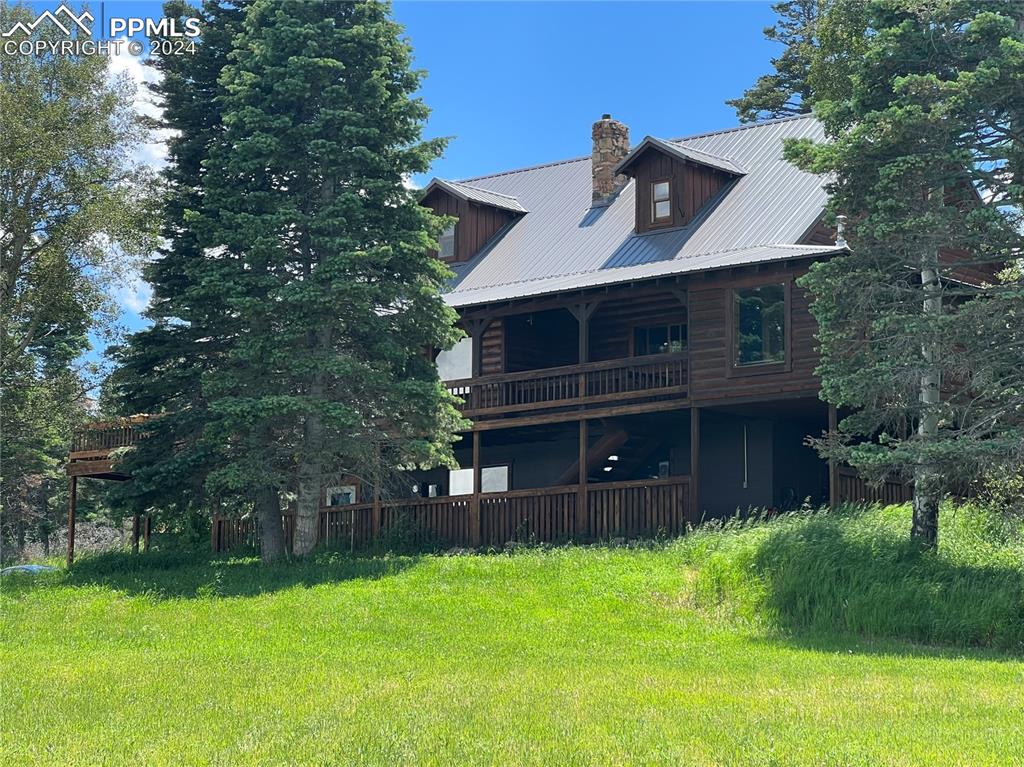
745,126
521,170
553,163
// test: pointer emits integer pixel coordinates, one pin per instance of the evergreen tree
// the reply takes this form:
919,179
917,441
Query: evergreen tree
918,335
161,368
321,256
823,40
786,91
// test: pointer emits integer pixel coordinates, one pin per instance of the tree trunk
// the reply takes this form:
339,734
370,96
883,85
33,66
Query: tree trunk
307,511
268,512
927,480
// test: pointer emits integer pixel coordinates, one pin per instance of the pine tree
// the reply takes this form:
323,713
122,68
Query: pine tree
321,256
928,353
160,369
803,73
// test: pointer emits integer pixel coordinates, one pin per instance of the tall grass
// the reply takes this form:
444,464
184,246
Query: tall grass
857,571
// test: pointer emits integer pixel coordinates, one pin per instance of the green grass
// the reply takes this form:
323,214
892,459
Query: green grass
754,645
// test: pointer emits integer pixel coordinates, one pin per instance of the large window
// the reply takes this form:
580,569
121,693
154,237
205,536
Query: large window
456,363
446,244
659,339
759,326
661,203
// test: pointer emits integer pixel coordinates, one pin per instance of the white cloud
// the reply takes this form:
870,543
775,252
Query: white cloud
154,152
132,293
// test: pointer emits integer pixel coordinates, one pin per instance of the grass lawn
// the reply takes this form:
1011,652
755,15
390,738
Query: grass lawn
562,656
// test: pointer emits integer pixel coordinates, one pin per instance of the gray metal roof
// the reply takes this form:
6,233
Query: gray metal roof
475,194
683,153
566,242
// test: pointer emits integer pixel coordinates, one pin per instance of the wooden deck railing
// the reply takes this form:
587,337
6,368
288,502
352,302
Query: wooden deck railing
98,439
593,382
644,508
850,487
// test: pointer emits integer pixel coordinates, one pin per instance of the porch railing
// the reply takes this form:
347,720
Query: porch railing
642,508
98,439
592,382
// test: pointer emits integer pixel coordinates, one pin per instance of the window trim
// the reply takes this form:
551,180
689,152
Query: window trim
455,242
762,368
654,219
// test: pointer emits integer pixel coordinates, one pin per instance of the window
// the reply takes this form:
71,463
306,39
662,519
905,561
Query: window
344,495
456,363
661,205
661,339
494,479
446,244
759,325
460,482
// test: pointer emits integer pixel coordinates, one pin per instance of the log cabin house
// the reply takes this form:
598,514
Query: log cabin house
638,355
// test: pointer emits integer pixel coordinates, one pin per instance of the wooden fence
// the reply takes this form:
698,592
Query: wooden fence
644,508
851,488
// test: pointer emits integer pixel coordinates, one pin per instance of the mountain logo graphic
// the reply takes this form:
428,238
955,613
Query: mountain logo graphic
62,10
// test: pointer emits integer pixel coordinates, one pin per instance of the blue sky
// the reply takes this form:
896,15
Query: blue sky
519,83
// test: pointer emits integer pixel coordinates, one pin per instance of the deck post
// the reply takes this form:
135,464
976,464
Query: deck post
135,533
833,470
375,513
581,493
582,312
474,511
694,510
72,502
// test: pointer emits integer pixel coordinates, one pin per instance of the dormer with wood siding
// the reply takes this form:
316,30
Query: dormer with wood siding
479,214
673,183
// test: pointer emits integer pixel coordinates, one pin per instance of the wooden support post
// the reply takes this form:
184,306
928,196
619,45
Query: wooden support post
147,531
214,529
582,512
72,502
833,470
474,514
476,328
694,513
582,312
135,533
375,513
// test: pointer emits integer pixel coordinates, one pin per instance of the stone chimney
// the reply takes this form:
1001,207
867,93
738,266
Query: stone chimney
611,144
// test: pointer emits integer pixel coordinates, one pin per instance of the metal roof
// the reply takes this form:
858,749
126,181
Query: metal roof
683,153
475,194
567,242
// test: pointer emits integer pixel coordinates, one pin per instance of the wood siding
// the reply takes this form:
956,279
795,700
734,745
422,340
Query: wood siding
611,327
477,224
692,187
710,346
492,357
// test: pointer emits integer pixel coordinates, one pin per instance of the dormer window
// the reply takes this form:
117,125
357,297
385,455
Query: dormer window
446,243
661,202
